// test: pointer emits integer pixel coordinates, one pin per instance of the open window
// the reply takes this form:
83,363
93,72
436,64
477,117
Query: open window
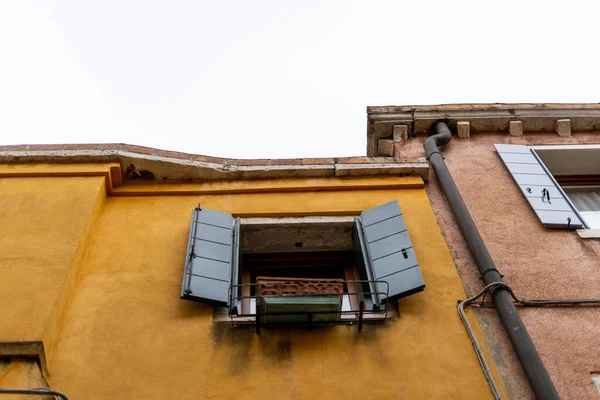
576,169
561,183
313,270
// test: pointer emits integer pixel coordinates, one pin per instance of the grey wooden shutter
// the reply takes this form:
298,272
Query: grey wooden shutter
209,257
236,269
364,265
541,190
388,252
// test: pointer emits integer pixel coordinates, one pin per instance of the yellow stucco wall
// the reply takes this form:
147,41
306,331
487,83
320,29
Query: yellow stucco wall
46,224
126,334
21,373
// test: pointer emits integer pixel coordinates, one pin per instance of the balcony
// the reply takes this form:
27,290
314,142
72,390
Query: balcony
307,302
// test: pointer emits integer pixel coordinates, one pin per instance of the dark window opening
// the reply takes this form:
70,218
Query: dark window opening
309,266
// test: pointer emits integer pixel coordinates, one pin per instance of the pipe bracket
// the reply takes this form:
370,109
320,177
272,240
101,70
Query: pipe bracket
485,271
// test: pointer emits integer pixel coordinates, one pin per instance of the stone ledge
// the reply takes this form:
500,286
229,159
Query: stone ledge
589,233
418,169
34,349
143,163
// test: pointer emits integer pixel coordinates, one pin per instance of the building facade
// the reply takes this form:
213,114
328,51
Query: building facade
129,272
95,248
501,158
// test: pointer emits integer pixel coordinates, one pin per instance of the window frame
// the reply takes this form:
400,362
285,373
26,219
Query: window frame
592,218
592,222
351,275
385,267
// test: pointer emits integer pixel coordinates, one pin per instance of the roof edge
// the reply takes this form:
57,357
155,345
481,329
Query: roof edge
144,163
482,106
493,117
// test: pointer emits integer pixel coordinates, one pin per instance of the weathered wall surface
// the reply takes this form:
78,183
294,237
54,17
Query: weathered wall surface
126,334
536,262
21,373
46,223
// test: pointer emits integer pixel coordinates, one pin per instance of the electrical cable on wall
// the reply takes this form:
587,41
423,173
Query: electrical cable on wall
35,391
472,301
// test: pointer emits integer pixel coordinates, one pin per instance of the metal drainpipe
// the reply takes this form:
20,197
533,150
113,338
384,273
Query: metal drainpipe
530,360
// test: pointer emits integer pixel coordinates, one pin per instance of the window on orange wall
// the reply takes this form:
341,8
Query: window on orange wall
326,266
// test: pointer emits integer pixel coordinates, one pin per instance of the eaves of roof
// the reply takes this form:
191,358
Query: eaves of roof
145,163
538,117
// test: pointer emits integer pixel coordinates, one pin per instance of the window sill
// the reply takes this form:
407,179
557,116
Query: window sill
248,321
589,233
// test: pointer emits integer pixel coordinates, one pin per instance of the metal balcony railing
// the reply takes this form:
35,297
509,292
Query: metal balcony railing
355,307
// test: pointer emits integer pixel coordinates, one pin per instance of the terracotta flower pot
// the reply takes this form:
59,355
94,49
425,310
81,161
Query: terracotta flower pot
270,286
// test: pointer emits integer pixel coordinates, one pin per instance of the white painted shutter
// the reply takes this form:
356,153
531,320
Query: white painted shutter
541,190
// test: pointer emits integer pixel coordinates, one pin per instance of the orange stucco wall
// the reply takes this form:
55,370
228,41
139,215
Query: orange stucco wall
126,334
46,225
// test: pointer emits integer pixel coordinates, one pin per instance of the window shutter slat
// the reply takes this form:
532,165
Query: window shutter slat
386,228
210,291
537,184
390,251
214,251
381,248
215,234
523,168
208,267
394,263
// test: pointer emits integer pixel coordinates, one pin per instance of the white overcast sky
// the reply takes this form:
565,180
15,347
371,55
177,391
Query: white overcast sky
251,79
